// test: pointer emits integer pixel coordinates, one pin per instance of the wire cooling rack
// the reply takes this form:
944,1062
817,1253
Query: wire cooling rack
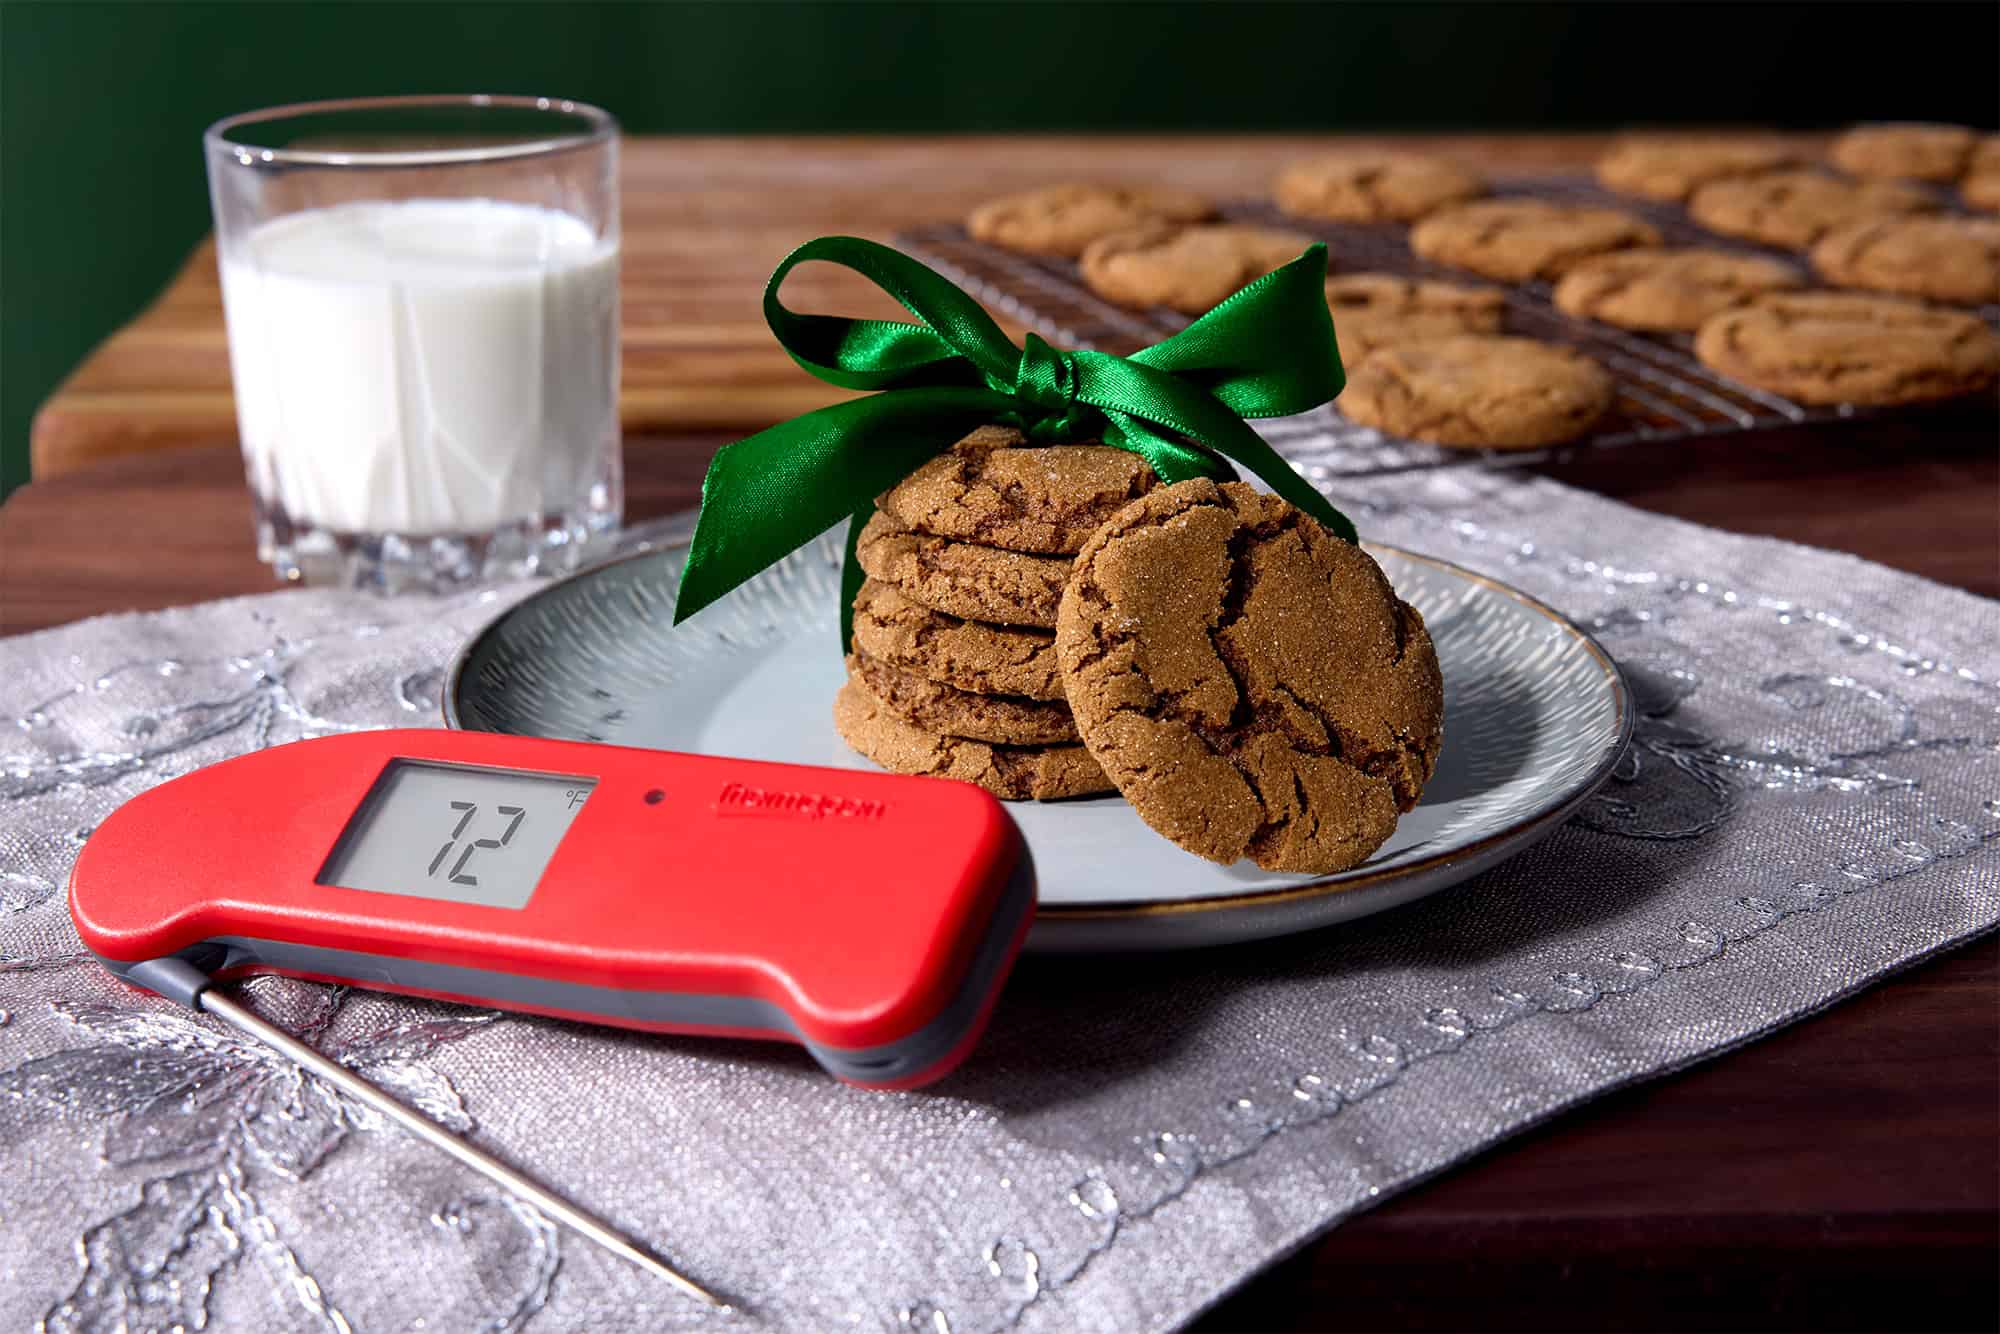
1663,394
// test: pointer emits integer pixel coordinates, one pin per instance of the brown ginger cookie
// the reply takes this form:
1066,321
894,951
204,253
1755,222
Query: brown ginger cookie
1944,259
1190,268
1012,773
1667,290
1370,185
1477,391
1981,187
1061,220
1519,240
972,655
1908,152
1372,310
963,578
1841,347
995,489
1669,166
1012,720
1795,208
1249,681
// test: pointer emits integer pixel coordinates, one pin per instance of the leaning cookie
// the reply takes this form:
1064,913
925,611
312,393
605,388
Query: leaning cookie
1910,152
994,489
1520,240
1478,392
1943,259
1060,220
1249,681
971,655
1669,167
1364,185
1668,290
1012,773
1793,209
1010,720
963,578
1189,268
1839,347
1372,310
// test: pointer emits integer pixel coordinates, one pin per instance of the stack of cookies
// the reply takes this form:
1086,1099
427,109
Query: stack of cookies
954,669
1051,621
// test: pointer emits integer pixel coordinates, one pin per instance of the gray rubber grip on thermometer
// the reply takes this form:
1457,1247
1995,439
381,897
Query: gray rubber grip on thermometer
172,977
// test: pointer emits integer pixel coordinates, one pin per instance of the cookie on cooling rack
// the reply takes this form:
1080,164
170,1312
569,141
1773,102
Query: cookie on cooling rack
1905,151
1060,220
1249,681
1372,310
1479,392
1842,347
1668,290
1189,268
1944,259
1981,187
1521,240
1793,209
1364,185
1669,167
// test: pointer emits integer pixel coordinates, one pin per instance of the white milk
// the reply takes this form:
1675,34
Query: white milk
425,366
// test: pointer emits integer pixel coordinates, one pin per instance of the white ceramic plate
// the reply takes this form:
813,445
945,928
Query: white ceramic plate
1535,716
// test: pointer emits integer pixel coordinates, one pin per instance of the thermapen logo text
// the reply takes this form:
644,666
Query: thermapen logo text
740,799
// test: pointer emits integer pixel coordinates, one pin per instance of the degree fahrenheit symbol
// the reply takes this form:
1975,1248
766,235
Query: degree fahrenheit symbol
575,797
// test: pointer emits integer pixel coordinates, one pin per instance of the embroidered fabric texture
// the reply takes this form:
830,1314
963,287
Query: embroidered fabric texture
1812,800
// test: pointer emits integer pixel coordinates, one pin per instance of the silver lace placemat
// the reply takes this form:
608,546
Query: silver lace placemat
1812,800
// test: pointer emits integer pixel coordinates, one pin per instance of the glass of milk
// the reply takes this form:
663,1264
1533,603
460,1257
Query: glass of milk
422,298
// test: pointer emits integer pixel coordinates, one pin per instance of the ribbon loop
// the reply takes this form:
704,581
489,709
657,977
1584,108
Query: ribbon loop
1268,351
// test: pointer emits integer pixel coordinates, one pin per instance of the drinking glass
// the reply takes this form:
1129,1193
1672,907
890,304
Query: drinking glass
422,300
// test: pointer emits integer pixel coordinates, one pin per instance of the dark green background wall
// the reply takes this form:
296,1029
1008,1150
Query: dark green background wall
102,105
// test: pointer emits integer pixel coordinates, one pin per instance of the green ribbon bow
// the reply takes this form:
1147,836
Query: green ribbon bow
1267,351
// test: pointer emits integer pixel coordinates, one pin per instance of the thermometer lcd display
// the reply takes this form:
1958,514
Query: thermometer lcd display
455,832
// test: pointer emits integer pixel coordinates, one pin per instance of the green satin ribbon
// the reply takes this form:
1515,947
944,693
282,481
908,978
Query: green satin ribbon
1267,351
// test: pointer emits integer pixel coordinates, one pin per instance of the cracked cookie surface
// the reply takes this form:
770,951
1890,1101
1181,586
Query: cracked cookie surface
1669,167
1372,310
1012,720
994,489
1061,220
1520,240
1248,680
963,579
1478,392
1668,290
1189,268
1837,347
971,655
1373,186
1012,773
1793,209
1906,151
1945,259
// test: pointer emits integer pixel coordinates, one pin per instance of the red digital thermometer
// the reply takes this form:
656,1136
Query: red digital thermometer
870,917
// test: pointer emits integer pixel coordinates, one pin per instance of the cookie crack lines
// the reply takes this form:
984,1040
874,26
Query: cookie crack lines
1248,680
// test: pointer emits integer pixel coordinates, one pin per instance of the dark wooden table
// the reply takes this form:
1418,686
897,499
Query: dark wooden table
1844,1174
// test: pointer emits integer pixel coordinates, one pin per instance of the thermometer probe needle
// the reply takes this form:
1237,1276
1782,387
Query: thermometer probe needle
591,1226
